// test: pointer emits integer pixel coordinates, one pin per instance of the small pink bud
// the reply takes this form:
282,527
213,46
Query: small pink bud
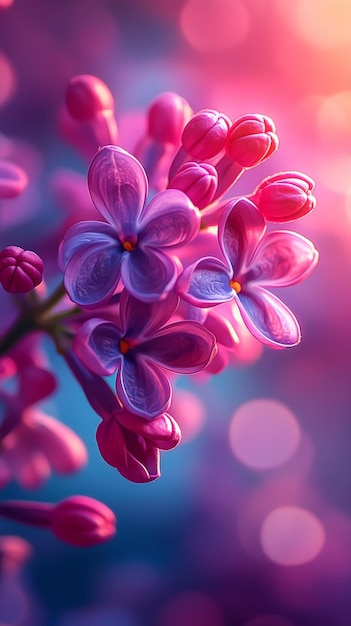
198,181
167,116
205,134
285,196
251,140
13,180
86,96
20,270
78,520
83,521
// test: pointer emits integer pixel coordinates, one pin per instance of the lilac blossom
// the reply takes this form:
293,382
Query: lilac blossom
139,347
126,441
130,245
254,261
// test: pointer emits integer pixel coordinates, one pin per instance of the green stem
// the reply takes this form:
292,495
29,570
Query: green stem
32,319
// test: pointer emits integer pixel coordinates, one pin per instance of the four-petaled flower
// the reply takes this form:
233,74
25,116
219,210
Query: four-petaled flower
254,261
140,346
130,244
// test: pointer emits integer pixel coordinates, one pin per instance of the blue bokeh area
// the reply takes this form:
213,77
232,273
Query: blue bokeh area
250,521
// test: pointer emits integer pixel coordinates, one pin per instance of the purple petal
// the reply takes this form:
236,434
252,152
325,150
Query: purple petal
142,387
97,346
142,319
170,219
149,275
118,187
205,283
92,274
82,235
182,347
269,319
282,259
239,231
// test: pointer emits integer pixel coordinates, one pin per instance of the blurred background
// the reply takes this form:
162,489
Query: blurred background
250,523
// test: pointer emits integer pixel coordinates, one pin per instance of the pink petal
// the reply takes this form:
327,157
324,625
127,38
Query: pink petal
240,229
282,259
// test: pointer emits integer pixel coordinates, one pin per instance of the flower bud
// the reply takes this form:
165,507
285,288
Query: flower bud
251,140
83,521
86,96
285,196
13,180
78,520
205,134
198,181
167,116
20,270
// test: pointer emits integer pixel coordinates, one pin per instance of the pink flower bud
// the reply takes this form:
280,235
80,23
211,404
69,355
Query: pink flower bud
13,180
251,140
83,521
285,196
205,134
20,270
86,96
198,181
78,520
167,116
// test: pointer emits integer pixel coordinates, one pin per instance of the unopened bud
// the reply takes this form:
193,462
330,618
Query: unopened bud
205,134
167,116
83,521
86,96
20,270
285,196
198,181
251,140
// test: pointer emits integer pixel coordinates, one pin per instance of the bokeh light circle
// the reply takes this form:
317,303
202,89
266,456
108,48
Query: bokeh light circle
263,433
324,24
290,536
190,413
214,25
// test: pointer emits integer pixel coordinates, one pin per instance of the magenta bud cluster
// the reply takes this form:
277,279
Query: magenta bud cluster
20,270
251,140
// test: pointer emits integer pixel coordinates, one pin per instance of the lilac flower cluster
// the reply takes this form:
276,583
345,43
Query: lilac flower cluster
170,278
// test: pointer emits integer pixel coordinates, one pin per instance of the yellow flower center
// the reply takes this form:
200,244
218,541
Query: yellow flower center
235,285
